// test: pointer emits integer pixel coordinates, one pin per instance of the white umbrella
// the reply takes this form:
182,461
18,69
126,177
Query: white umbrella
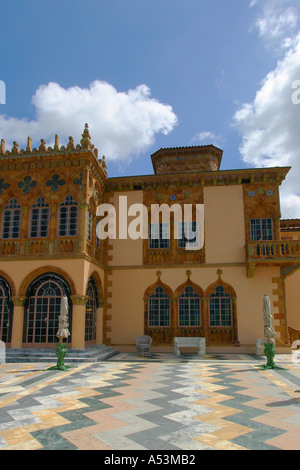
270,333
63,323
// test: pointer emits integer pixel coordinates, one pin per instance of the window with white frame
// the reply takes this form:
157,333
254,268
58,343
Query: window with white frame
68,217
39,219
11,220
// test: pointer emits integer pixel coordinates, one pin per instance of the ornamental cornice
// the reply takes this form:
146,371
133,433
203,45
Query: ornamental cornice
38,158
212,178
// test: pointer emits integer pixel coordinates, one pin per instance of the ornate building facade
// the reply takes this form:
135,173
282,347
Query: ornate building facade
120,288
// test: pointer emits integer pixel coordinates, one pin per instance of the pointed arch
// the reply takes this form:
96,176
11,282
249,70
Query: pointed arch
158,314
189,309
221,312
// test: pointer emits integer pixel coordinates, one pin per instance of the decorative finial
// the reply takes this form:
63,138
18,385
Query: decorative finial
42,147
219,273
188,273
158,274
2,147
15,150
71,145
29,145
56,142
86,139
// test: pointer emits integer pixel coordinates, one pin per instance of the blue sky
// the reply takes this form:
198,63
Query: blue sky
147,74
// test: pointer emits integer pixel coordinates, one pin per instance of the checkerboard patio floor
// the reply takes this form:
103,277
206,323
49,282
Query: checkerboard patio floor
215,402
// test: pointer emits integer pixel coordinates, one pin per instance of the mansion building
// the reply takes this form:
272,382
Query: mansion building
162,286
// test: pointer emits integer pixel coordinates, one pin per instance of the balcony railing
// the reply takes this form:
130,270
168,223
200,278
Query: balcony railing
274,249
278,252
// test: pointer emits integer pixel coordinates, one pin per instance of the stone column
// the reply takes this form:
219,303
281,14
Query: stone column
17,322
99,325
78,321
82,224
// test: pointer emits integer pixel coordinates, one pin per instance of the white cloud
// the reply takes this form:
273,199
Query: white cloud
206,138
277,21
122,124
270,127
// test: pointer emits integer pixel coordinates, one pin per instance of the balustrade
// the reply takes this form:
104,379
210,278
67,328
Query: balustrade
274,249
9,248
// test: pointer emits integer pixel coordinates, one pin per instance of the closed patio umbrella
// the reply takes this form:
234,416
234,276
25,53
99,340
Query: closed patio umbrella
63,323
62,333
270,333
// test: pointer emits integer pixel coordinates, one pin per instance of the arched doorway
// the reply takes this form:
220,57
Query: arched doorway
42,309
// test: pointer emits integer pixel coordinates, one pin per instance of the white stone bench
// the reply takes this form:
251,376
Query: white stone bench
190,342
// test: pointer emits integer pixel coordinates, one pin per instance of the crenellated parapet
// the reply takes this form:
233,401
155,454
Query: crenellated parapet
84,146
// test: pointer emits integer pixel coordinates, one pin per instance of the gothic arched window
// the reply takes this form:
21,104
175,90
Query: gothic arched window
39,219
189,308
68,217
220,308
11,220
159,308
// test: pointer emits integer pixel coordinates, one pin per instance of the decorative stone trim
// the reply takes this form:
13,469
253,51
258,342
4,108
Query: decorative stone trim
18,301
79,299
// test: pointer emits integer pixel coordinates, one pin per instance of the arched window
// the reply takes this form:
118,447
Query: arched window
43,309
220,308
68,217
11,220
91,311
39,219
5,311
189,308
159,308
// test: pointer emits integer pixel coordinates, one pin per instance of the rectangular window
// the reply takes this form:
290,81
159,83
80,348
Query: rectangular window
188,235
39,222
261,230
159,236
220,311
11,223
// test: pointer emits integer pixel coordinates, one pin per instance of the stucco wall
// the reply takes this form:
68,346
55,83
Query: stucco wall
129,285
224,224
293,300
